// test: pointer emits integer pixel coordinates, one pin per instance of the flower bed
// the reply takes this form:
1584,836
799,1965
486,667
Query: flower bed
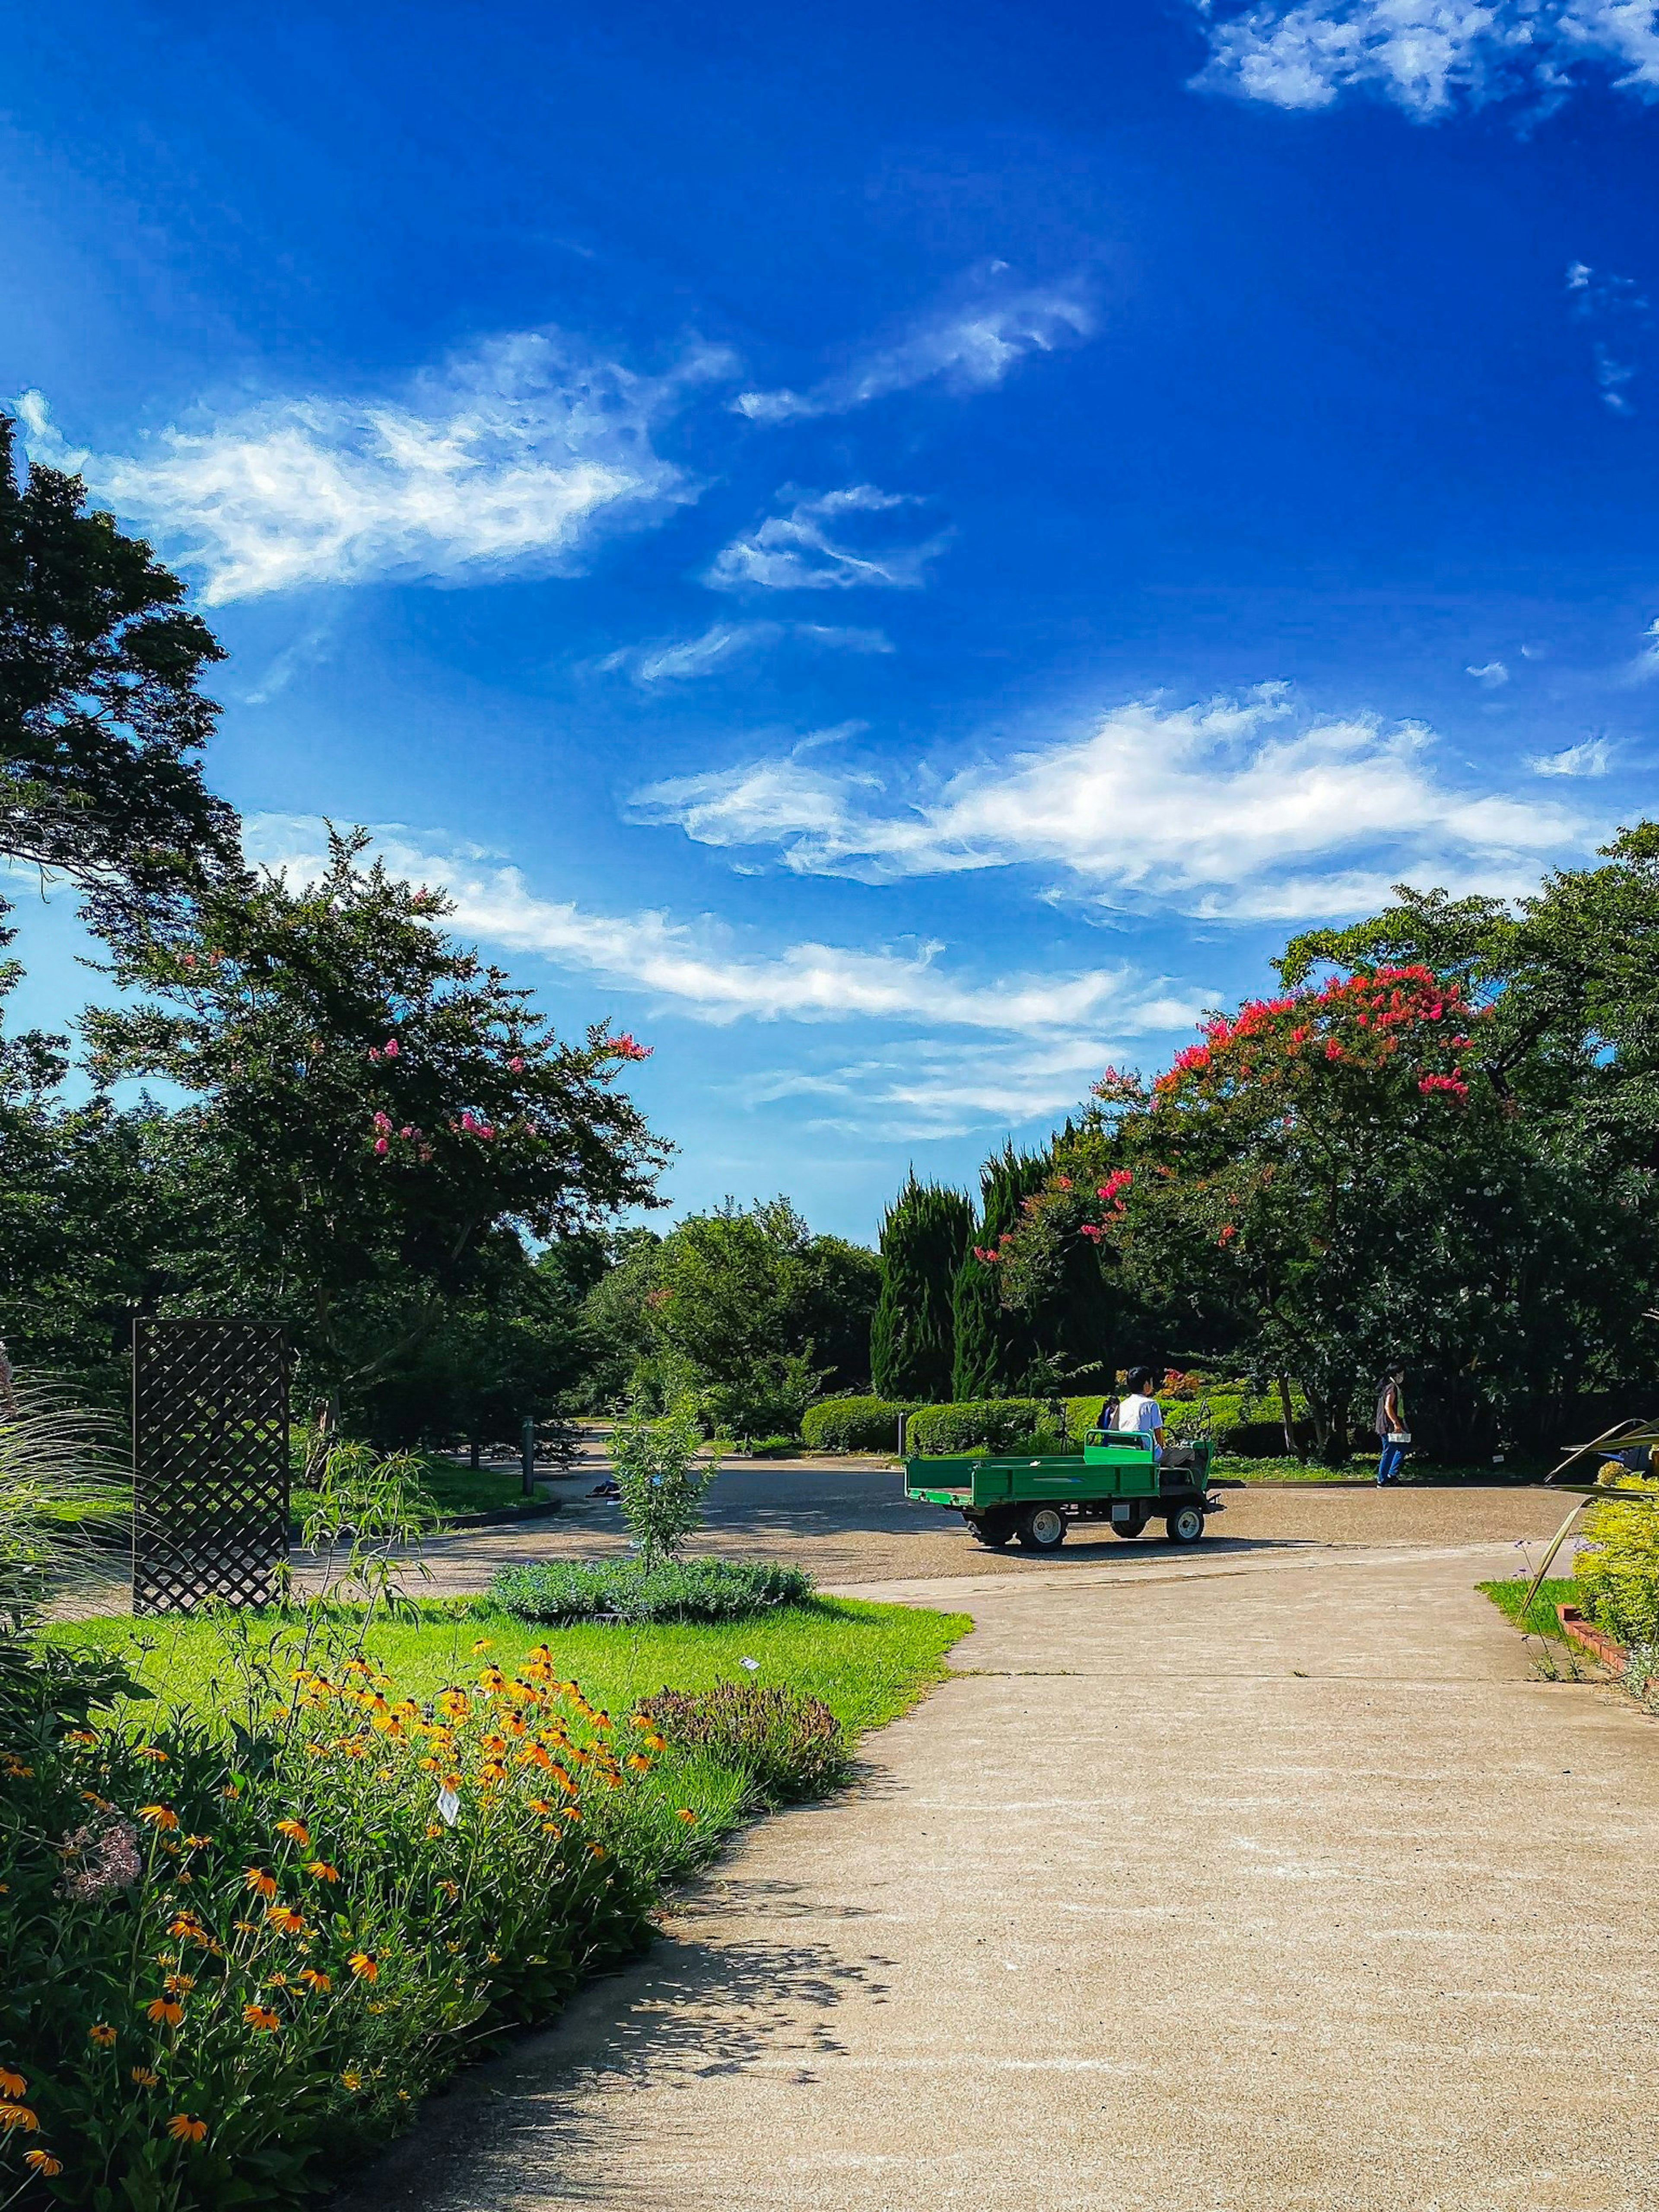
561,1590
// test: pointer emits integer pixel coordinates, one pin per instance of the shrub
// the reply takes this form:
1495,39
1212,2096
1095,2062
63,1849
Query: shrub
855,1425
789,1746
994,1424
562,1591
1618,1571
661,1484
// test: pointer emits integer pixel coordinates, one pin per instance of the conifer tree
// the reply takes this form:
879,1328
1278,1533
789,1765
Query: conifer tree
924,1234
993,1345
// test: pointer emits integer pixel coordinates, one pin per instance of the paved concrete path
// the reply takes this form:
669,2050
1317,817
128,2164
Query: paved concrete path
1250,1883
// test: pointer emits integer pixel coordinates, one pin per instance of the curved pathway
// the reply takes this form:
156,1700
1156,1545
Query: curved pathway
1251,1880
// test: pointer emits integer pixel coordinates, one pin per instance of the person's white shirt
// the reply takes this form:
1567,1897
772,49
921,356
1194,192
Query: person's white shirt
1139,1413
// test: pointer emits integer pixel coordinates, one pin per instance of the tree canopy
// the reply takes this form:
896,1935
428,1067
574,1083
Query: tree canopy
101,715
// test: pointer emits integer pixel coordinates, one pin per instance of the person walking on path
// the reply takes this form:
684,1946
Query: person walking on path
1392,1434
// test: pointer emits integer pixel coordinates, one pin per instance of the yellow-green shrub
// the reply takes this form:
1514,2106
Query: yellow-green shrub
1617,1570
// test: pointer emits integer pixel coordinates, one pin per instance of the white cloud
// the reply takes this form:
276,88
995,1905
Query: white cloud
933,1088
701,968
1592,757
680,660
968,347
1426,56
1229,809
1492,674
796,552
505,459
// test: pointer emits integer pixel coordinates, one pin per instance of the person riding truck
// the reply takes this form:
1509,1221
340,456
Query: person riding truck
1141,1410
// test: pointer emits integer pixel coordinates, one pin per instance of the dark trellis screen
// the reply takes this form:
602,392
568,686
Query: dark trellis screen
210,1462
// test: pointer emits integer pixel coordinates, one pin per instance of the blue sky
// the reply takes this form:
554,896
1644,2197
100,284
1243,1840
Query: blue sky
898,552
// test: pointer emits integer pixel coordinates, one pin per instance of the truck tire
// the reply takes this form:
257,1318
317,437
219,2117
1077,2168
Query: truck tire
994,1530
1042,1528
1186,1526
1126,1529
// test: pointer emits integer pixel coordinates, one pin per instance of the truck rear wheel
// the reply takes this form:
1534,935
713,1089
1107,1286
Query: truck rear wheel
1186,1525
1129,1528
1042,1528
994,1530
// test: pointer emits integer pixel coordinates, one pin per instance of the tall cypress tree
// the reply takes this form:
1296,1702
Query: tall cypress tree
924,1234
994,1347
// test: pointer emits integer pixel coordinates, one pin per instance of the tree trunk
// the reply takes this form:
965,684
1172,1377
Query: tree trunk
473,1455
1289,1419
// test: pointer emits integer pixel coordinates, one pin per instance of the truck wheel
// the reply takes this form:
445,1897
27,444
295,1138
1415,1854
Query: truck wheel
1186,1525
1043,1528
1128,1528
994,1530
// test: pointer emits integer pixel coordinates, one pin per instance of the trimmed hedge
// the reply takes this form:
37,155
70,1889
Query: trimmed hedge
855,1425
994,1424
559,1591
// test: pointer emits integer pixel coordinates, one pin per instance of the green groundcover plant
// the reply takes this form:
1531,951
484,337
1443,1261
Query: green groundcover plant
790,1745
558,1591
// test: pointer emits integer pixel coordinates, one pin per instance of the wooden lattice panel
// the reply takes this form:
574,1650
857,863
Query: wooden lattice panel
210,1462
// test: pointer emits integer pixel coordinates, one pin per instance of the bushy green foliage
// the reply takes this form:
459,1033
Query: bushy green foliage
661,1483
993,1345
558,1591
789,1747
1617,1569
994,1424
855,1425
924,1234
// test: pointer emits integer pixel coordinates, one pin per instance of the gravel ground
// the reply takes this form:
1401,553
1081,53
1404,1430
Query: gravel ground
848,1523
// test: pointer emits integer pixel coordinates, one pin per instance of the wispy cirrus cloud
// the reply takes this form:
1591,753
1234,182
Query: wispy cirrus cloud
704,969
683,660
1593,757
508,457
1231,809
967,344
826,541
1428,57
1619,309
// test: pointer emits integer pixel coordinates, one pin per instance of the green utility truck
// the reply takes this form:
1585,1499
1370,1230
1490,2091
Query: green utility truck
1117,1479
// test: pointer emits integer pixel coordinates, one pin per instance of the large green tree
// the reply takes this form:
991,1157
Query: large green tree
101,712
367,1105
924,1235
993,1344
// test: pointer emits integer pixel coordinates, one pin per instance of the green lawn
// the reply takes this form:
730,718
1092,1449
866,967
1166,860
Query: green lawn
868,1663
1540,1618
447,1487
1416,1474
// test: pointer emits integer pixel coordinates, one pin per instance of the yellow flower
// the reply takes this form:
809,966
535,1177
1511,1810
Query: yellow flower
320,1870
183,2129
151,1751
179,1985
321,1983
261,1883
451,1889
158,1816
18,2116
638,1761
262,2018
80,1735
165,2012
286,1920
43,2162
685,1814
246,1927
352,2079
452,1704
598,1850
146,2077
483,1643
102,2033
12,2084
198,1843
539,1804
365,1965
296,1829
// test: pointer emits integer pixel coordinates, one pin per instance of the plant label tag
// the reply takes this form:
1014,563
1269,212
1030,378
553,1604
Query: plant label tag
449,1807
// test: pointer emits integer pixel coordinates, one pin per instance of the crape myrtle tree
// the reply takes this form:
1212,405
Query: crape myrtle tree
369,1106
101,715
924,1235
1330,1171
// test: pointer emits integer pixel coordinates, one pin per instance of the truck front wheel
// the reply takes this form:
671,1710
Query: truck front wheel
1043,1528
1186,1525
